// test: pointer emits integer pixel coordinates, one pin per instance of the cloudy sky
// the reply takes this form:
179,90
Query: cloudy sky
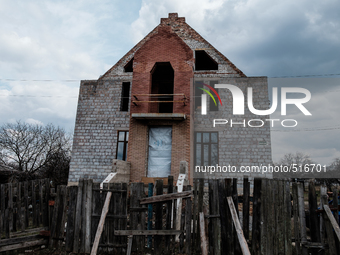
47,47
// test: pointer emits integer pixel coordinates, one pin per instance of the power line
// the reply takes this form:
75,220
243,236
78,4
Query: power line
307,129
49,80
77,80
37,96
305,75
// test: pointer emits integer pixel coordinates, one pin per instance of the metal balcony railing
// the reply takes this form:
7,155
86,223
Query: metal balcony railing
159,98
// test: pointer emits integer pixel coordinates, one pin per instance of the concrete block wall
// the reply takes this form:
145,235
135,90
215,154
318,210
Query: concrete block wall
97,122
239,145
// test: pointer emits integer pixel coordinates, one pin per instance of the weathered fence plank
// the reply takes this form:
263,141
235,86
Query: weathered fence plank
150,214
78,216
313,216
223,215
215,223
302,216
188,218
166,197
204,242
82,233
88,216
101,223
246,207
169,213
237,224
72,191
328,227
158,217
137,220
256,233
335,225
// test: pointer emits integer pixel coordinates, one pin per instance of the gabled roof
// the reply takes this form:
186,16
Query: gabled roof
194,40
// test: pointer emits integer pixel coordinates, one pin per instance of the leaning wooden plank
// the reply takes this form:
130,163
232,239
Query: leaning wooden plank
328,228
166,197
10,241
333,221
237,224
204,243
101,223
24,245
147,232
29,231
129,245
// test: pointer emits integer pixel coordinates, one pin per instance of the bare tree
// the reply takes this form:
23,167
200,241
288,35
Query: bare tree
298,158
29,147
336,165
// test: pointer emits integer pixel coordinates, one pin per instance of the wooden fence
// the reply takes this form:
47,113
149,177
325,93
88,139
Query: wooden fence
24,212
267,217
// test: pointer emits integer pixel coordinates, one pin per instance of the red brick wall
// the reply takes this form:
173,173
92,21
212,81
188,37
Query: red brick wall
138,145
165,46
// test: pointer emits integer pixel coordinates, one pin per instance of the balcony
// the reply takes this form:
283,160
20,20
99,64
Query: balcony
159,106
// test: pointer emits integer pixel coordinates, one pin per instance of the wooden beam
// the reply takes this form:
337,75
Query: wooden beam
237,224
101,223
204,242
328,227
147,232
40,241
166,197
333,221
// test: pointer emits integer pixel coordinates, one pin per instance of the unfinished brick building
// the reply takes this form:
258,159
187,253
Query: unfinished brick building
145,110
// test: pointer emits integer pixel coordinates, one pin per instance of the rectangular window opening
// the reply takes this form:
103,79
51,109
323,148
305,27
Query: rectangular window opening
122,145
124,103
206,152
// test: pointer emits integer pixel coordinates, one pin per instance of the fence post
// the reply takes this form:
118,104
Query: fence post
169,214
313,216
72,190
301,204
158,217
150,213
230,226
245,207
256,235
215,223
78,216
188,204
296,218
288,212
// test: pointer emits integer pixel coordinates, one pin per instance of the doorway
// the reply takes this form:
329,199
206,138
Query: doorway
160,144
163,83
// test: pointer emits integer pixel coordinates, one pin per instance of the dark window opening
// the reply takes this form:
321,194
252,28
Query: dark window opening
204,62
206,148
212,105
198,93
162,83
124,103
122,145
129,66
